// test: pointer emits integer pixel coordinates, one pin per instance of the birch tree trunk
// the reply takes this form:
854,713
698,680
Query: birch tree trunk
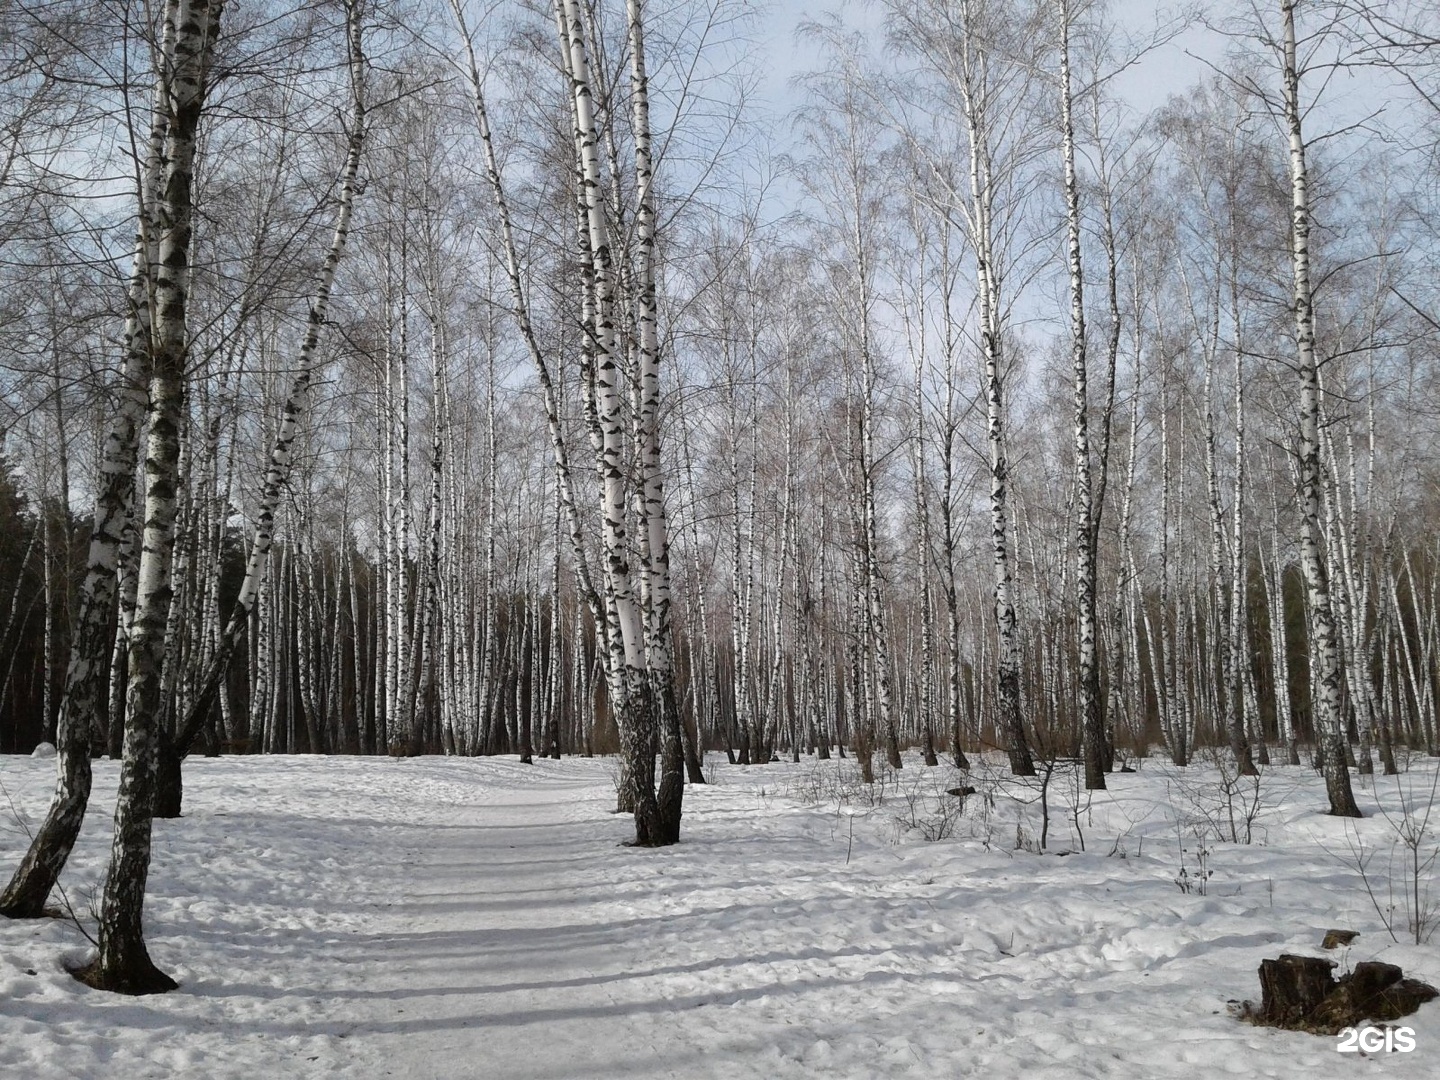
632,624
1238,666
654,525
1164,639
926,692
627,644
1324,659
1011,720
122,962
85,699
277,474
1092,723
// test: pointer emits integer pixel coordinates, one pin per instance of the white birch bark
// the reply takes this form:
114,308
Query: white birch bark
521,310
87,697
1324,659
654,523
1165,638
1088,676
1240,691
281,458
991,329
122,962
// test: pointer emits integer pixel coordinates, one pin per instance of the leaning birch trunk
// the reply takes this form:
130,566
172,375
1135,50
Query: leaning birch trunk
281,458
122,962
86,698
521,310
87,679
1323,656
565,488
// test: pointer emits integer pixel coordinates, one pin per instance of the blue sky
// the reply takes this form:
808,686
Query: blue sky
1167,70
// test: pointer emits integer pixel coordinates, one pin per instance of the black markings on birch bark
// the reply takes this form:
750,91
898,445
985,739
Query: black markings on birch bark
122,962
281,457
1324,658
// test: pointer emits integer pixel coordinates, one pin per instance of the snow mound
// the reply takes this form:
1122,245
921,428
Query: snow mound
45,749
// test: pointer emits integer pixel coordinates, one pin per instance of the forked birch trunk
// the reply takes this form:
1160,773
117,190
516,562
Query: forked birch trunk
654,525
87,700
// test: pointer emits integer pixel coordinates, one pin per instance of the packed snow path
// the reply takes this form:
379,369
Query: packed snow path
452,919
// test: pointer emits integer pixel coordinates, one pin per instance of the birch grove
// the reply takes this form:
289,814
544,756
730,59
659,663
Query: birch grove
500,380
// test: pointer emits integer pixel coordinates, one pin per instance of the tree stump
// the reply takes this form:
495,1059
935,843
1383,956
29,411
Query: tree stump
1299,993
1292,987
1374,991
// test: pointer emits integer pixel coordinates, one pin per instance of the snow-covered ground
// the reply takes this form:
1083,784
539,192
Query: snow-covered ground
447,918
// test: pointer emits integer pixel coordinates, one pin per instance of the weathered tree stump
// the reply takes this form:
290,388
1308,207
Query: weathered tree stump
1374,991
1299,992
1336,938
1292,987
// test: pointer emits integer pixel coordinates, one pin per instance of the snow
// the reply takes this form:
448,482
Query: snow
454,918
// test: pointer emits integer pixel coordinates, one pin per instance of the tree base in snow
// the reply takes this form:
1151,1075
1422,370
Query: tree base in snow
137,978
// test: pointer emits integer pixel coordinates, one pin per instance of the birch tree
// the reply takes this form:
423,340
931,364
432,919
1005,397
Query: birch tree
122,962
281,457
85,701
1086,541
1324,657
630,605
982,80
